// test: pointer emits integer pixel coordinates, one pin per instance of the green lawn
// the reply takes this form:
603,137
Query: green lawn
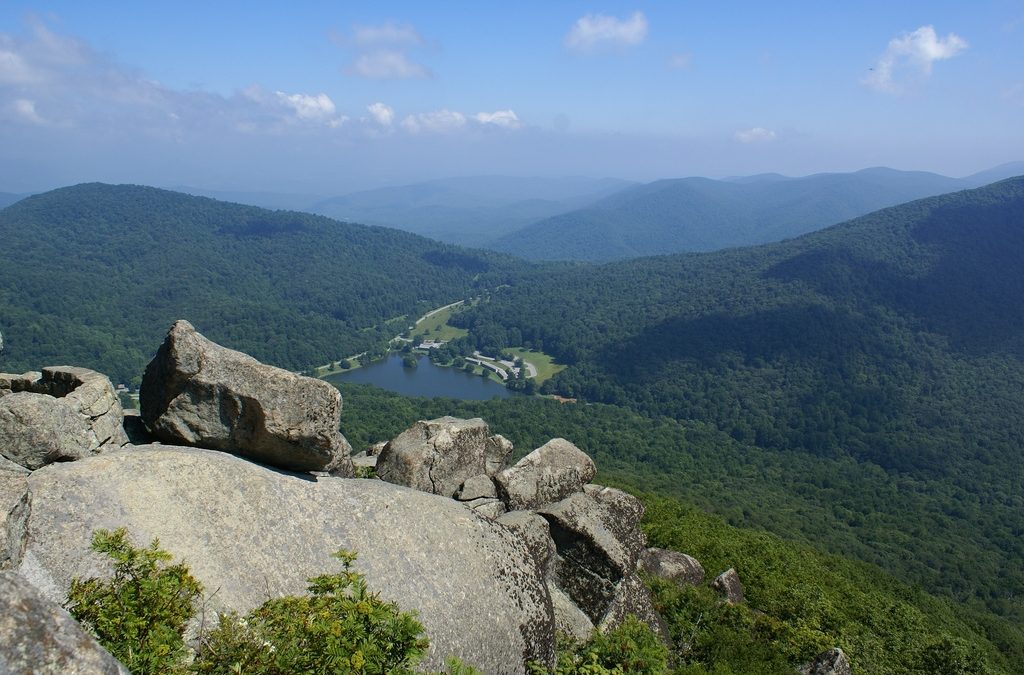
546,366
435,327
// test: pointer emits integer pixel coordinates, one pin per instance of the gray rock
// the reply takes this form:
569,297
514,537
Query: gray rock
569,619
831,662
375,449
436,456
13,487
551,472
729,587
39,429
487,508
477,487
364,462
536,532
496,454
136,429
195,392
621,506
249,532
672,566
596,550
64,414
632,597
11,383
40,637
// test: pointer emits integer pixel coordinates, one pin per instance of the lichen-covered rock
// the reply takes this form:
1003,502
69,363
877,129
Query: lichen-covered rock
58,415
729,587
831,662
491,509
633,597
13,487
536,533
437,456
496,454
477,487
250,532
569,619
198,393
38,429
672,566
40,637
548,474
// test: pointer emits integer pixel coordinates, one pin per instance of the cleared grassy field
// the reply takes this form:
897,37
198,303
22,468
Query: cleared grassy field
435,327
546,367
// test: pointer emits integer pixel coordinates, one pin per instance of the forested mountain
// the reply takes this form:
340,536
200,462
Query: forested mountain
700,214
471,211
94,275
889,348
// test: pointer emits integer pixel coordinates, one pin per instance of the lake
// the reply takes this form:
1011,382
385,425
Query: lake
425,380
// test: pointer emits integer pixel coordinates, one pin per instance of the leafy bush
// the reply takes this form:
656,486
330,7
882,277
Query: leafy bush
138,615
631,648
340,627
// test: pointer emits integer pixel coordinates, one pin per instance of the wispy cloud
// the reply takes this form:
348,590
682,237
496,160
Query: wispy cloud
680,61
595,32
438,122
755,135
382,52
506,119
909,58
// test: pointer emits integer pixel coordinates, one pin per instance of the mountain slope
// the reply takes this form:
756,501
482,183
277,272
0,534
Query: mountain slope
470,211
700,214
894,342
8,198
94,274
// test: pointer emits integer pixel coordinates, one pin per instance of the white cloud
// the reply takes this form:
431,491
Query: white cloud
388,34
14,70
306,107
506,119
593,32
910,56
382,52
439,122
680,61
387,64
382,114
755,135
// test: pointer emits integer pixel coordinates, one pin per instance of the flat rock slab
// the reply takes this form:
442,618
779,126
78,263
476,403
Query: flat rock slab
249,532
198,393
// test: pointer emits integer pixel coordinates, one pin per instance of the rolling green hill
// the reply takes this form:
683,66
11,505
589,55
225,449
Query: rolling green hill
700,214
94,275
890,347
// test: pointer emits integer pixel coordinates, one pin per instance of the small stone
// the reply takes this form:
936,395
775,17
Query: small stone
672,566
477,487
729,587
831,662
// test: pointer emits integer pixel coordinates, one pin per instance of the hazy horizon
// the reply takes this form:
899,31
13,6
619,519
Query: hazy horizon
328,100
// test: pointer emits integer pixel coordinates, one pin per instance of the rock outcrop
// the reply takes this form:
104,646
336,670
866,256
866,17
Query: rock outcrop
40,637
249,532
831,662
552,472
198,393
438,456
60,414
729,586
672,566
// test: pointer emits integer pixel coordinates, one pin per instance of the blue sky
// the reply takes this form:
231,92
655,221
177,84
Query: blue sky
329,97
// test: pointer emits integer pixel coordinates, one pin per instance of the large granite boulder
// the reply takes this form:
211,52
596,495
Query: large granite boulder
596,551
40,637
440,455
195,392
249,532
58,415
13,487
672,566
550,473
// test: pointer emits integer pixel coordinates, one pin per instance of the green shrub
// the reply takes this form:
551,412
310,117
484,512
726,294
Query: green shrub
138,615
340,627
631,648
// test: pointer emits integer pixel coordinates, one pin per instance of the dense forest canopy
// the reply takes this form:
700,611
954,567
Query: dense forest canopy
95,274
894,341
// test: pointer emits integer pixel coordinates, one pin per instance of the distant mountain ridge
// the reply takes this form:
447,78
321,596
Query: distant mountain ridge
701,214
469,211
